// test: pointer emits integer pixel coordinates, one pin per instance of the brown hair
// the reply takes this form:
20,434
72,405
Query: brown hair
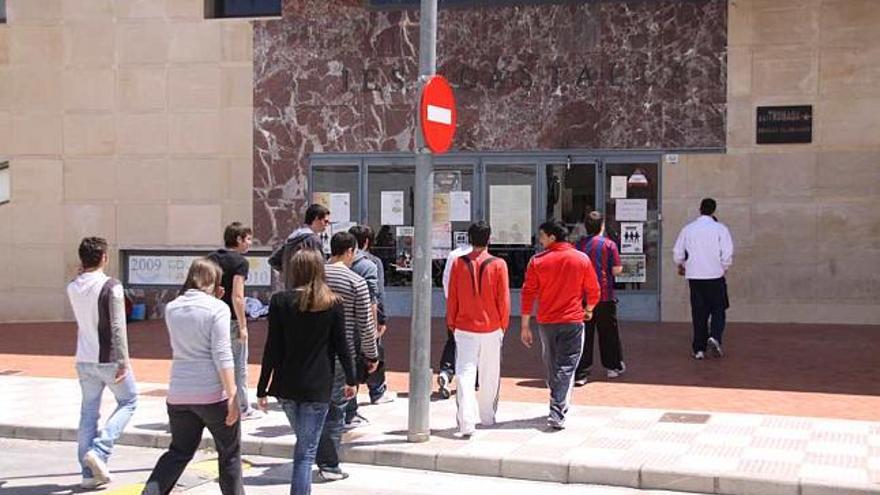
305,272
233,232
204,275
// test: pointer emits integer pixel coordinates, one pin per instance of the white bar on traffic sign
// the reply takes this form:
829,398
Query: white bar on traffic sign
440,115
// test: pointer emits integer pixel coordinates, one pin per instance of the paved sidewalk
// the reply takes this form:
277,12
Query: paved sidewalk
641,448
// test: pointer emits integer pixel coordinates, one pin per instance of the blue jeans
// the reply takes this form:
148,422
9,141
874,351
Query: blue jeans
240,359
93,377
307,421
331,436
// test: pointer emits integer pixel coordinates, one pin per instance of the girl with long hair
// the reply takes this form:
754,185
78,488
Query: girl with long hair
306,337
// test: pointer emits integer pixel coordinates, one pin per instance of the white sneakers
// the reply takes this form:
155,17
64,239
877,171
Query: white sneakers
91,483
252,414
699,356
714,347
387,397
100,473
616,373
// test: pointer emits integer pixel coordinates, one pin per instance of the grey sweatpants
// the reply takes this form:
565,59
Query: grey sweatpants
561,348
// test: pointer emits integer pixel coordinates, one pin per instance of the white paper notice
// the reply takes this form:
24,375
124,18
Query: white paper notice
392,208
634,269
441,240
618,186
460,206
631,210
340,207
632,237
510,214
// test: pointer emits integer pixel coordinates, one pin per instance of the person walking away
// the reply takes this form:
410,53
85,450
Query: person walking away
237,240
478,314
605,258
364,267
306,336
704,252
202,390
360,335
308,236
560,278
101,360
447,358
378,388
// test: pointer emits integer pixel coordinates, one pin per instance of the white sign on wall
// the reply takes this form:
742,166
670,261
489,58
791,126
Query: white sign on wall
631,210
170,269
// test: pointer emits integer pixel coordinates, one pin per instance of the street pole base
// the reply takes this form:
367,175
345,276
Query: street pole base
418,437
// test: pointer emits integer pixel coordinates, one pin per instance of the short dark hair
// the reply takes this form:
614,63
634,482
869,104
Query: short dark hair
342,242
92,251
233,231
593,222
555,228
479,233
316,212
707,206
363,234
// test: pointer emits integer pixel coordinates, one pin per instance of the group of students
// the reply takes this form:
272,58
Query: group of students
574,291
324,337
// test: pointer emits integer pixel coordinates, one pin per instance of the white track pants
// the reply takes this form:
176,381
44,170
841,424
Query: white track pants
477,351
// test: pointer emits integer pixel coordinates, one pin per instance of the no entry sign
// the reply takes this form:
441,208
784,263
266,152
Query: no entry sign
437,114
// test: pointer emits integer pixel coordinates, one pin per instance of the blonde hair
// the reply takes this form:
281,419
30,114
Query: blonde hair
305,273
204,275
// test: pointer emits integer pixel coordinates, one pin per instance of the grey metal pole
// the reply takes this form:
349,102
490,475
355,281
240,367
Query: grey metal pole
420,334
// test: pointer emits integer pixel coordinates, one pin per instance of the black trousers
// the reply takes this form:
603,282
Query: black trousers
708,300
187,423
447,359
604,323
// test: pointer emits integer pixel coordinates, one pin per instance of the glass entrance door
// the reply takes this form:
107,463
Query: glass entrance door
631,192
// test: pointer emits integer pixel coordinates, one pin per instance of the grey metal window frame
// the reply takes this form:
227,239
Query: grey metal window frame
540,159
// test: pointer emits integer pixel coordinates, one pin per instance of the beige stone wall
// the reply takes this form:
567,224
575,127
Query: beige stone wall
805,218
117,118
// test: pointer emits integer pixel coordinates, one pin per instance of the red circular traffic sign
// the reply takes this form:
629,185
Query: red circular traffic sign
438,115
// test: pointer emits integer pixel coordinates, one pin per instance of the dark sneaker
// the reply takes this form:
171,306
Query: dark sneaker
443,382
356,422
714,348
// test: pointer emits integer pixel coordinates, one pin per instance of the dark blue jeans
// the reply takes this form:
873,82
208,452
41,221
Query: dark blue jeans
331,436
307,420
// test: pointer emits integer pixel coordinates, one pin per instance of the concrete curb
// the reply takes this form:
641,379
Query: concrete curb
404,455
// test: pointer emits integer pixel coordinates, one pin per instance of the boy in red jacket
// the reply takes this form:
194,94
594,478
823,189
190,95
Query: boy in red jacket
478,312
561,278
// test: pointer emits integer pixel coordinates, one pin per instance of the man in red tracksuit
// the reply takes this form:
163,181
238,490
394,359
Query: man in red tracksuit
561,278
478,312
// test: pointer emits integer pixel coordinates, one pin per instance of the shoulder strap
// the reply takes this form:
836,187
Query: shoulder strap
470,265
486,262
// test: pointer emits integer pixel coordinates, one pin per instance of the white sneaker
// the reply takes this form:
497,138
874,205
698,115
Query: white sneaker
385,398
714,347
700,356
98,467
252,414
91,483
618,372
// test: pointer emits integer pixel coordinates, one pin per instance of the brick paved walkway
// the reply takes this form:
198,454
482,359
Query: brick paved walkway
798,370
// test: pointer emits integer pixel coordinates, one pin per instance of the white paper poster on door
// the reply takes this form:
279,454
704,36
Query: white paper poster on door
618,186
635,269
340,207
441,240
631,210
460,206
510,214
392,208
632,238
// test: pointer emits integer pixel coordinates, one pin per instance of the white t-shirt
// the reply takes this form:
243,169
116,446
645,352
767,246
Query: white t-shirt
447,270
